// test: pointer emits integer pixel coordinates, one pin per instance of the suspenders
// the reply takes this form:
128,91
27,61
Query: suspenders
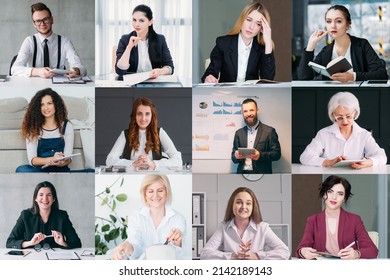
35,51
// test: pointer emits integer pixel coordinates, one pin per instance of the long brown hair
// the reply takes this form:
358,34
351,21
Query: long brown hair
152,137
34,120
255,6
45,184
255,216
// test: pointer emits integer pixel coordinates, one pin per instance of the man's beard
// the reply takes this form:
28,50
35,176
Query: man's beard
249,122
47,32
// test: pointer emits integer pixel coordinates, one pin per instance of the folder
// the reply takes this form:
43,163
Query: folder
200,239
202,213
194,243
196,209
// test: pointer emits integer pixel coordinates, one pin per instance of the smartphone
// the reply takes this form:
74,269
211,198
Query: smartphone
18,253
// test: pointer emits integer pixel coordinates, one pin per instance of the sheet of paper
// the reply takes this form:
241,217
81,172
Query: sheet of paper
136,78
62,255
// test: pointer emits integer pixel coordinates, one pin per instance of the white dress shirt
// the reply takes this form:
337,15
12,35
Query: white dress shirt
32,146
347,56
251,136
225,241
23,64
329,144
142,233
243,57
144,63
168,148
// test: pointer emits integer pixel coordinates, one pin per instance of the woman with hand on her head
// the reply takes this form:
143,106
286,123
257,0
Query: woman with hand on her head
155,223
44,223
246,52
144,145
143,49
243,235
334,229
366,64
344,139
48,132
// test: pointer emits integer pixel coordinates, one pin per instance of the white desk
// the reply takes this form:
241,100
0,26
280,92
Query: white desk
239,85
131,170
303,169
110,80
38,82
324,84
41,255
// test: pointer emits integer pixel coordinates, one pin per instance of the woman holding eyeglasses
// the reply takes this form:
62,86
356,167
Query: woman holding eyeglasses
344,139
44,225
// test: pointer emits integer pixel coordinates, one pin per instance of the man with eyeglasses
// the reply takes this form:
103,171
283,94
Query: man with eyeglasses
262,138
45,50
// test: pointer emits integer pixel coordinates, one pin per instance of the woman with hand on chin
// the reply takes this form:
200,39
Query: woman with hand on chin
246,52
366,64
334,229
44,223
344,139
144,145
155,223
243,235
143,49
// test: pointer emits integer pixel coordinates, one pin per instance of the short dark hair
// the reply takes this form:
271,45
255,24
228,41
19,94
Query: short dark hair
248,100
343,10
255,216
39,7
45,184
334,180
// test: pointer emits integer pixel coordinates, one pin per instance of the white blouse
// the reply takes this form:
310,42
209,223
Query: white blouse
329,144
142,233
225,241
168,148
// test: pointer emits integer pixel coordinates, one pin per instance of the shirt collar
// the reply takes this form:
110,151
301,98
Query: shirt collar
356,130
232,225
255,127
241,44
49,39
169,212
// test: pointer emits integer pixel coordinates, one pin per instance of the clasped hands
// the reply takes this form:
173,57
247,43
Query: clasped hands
245,252
143,162
254,156
357,165
55,161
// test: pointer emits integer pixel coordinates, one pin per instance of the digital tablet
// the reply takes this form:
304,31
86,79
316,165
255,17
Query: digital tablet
246,151
22,253
328,255
347,163
61,158
61,71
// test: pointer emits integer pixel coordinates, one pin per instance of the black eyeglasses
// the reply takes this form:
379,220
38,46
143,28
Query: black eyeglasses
38,247
39,22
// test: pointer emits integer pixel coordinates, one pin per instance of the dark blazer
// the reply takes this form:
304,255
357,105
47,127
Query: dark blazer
166,59
266,143
351,228
224,60
28,224
365,62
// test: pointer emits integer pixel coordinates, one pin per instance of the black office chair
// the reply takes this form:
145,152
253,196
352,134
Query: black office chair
12,63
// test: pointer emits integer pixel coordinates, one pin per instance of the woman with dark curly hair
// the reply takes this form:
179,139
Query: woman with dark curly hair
144,145
48,132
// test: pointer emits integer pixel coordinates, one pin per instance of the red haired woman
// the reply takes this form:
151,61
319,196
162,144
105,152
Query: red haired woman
144,145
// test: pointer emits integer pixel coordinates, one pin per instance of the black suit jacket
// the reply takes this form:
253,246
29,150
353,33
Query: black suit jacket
365,62
28,224
166,59
224,60
266,143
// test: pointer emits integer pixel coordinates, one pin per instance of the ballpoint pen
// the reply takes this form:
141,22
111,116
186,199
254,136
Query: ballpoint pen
350,245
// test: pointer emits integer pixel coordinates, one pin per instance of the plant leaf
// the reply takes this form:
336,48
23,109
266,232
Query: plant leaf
108,190
113,205
105,200
121,197
122,182
113,218
105,228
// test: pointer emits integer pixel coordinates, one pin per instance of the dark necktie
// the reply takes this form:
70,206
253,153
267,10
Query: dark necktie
46,60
